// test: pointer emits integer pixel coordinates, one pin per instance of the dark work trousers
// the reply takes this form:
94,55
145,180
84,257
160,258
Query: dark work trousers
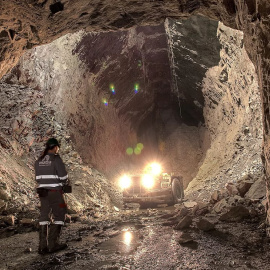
54,204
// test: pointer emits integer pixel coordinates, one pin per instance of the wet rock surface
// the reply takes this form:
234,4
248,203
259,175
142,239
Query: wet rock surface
136,239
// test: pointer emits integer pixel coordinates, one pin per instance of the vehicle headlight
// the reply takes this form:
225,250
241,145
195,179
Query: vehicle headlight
125,182
156,168
153,168
148,181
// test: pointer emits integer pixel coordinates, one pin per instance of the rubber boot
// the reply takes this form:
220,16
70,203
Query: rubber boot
43,239
54,235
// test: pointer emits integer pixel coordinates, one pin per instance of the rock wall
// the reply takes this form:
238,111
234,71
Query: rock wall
194,48
26,123
232,114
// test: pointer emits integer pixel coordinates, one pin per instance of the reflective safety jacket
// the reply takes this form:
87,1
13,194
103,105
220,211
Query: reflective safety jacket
50,172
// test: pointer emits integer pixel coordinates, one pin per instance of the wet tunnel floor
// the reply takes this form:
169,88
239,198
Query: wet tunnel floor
139,240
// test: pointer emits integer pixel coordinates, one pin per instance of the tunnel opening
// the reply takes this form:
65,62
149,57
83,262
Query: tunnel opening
182,89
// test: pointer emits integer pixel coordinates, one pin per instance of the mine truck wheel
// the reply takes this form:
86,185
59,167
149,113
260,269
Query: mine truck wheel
177,190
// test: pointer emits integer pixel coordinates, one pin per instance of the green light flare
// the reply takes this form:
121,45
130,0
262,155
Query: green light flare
137,151
129,151
140,146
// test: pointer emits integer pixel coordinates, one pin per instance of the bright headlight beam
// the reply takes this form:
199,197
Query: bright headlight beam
155,168
125,182
148,181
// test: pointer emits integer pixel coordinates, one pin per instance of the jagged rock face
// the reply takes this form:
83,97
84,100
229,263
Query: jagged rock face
26,123
233,118
195,48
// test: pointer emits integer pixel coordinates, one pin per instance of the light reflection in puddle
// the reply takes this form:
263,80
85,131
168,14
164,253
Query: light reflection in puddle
126,242
127,238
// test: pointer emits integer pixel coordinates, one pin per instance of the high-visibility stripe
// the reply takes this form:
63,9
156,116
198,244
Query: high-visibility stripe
44,222
51,177
51,185
59,222
47,177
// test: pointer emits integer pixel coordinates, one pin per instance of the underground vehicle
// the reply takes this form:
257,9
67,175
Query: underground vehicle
152,187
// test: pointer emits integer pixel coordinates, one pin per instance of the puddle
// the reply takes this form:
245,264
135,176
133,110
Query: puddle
124,243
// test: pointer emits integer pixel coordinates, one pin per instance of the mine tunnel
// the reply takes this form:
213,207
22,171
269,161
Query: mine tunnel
181,91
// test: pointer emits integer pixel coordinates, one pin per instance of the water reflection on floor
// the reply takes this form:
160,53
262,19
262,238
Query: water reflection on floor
125,243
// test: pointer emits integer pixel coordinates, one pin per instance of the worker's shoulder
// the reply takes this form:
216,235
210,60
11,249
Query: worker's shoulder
57,157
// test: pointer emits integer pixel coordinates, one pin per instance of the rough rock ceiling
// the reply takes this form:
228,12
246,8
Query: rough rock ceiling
27,23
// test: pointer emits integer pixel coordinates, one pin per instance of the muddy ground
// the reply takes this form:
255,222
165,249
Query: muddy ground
140,239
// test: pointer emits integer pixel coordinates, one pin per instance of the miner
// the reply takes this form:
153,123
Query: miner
51,177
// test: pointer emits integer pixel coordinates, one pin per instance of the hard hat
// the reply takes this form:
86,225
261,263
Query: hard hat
52,142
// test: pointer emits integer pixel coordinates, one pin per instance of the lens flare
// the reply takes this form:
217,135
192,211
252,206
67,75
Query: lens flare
105,101
137,151
129,151
148,181
136,88
125,182
140,146
112,88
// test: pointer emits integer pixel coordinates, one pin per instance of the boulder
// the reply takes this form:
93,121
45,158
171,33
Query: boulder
220,206
175,219
232,189
184,223
9,220
189,204
185,238
182,212
204,225
244,186
27,221
218,195
215,196
235,200
236,213
4,192
200,209
97,215
257,190
168,215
